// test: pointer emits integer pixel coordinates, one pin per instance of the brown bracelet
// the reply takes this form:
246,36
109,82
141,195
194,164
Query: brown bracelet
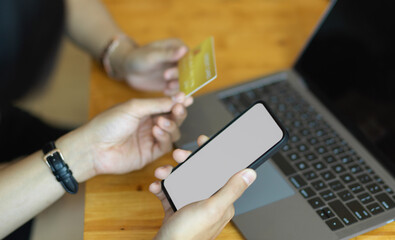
108,50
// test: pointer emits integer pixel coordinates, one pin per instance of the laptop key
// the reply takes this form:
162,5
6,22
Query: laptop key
342,212
337,150
345,195
374,208
356,188
319,166
336,185
297,181
307,192
355,169
294,139
283,164
346,159
338,168
365,198
334,224
286,148
296,124
347,178
302,165
325,213
374,188
302,148
327,175
244,100
293,156
329,141
385,201
364,178
327,195
320,133
379,180
369,170
316,202
310,156
321,149
313,141
388,189
330,159
318,185
358,210
310,175
305,132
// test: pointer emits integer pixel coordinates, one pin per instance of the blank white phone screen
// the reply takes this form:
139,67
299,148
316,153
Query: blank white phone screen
234,149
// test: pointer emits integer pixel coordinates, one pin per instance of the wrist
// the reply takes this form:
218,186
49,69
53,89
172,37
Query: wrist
77,155
114,55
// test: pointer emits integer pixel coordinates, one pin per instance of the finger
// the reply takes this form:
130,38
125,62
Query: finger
172,85
171,88
188,102
144,107
234,188
178,114
163,142
171,73
169,50
155,187
202,139
163,172
171,127
181,155
179,98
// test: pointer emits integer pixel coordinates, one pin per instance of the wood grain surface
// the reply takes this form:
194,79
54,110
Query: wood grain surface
252,38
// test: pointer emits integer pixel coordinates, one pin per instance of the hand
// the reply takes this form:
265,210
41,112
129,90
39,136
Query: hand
133,134
204,219
153,67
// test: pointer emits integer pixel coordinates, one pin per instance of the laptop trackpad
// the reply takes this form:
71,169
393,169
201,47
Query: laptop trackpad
269,187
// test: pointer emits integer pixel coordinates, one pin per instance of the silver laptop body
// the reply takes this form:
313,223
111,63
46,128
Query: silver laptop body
351,192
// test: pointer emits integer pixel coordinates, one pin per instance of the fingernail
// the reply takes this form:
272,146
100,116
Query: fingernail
188,101
180,110
248,176
179,98
159,131
181,51
167,74
165,122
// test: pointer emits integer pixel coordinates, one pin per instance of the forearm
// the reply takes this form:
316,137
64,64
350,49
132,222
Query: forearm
90,25
28,186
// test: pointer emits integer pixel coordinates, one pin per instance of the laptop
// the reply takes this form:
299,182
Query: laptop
334,179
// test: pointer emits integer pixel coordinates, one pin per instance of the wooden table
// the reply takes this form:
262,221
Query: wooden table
252,38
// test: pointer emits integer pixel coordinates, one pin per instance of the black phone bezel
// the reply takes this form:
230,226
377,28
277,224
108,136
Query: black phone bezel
255,164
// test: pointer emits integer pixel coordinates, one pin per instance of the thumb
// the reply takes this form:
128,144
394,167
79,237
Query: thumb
170,50
234,188
145,107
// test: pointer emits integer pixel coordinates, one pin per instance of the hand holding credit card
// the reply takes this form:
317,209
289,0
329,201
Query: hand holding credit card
197,68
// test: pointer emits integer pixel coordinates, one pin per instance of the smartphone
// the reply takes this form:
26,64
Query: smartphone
246,142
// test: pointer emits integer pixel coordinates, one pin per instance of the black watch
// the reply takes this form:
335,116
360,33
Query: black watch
54,159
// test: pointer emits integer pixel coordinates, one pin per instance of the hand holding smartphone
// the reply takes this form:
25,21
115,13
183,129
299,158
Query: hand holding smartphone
246,142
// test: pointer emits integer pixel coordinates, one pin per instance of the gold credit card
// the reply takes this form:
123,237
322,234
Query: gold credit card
197,68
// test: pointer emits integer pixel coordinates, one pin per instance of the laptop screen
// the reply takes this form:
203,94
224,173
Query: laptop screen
350,65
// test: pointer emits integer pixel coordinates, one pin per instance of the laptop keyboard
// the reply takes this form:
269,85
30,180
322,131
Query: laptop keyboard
334,180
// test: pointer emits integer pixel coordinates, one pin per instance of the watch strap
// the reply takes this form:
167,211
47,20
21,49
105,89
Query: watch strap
55,161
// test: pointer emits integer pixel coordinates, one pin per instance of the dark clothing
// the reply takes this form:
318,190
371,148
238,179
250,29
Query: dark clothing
30,33
22,134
